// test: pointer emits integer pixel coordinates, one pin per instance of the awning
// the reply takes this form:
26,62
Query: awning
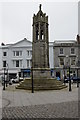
25,70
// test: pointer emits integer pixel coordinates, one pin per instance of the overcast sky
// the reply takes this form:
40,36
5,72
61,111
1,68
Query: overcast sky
16,20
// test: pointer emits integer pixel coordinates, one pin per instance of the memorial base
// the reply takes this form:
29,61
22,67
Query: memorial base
41,81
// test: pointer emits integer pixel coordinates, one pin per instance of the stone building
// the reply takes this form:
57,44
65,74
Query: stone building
65,55
78,62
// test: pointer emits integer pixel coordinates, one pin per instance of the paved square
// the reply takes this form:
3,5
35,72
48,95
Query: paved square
21,104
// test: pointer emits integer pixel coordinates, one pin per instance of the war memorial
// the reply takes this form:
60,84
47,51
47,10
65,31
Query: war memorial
40,72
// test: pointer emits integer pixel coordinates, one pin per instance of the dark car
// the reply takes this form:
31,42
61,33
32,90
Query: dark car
75,79
67,80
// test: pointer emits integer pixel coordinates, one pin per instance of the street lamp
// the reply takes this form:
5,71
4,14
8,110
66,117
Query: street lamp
78,64
7,74
64,77
77,79
4,80
69,80
69,73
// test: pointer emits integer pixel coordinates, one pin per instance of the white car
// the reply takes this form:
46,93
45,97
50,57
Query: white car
20,79
15,80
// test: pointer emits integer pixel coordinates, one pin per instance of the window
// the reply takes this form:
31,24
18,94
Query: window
13,53
17,53
17,63
4,54
42,36
73,61
20,53
4,63
28,53
20,63
28,63
37,35
37,31
72,51
61,50
61,61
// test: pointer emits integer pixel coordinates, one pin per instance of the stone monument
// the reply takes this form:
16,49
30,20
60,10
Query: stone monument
40,72
40,46
78,64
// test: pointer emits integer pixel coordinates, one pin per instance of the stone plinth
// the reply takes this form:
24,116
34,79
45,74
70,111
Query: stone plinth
41,73
41,84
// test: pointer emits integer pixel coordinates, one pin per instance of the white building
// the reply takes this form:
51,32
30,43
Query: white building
17,57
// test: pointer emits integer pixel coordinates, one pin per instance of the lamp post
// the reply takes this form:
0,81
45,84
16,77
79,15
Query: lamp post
4,79
68,63
78,64
7,78
7,74
64,75
69,80
77,79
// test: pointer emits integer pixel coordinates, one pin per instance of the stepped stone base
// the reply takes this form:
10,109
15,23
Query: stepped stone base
41,84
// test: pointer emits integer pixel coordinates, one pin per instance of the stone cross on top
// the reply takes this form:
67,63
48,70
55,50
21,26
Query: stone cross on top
40,7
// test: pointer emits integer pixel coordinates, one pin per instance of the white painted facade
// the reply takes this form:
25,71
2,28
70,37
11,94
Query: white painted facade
18,56
51,55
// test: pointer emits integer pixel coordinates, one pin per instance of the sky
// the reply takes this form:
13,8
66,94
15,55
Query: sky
79,17
16,20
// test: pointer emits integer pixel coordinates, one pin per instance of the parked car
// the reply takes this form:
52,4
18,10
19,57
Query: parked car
75,79
14,80
20,79
67,80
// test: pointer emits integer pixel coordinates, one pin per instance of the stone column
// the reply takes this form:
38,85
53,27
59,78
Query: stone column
34,32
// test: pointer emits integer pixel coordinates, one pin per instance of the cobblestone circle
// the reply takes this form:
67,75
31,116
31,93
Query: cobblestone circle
65,111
